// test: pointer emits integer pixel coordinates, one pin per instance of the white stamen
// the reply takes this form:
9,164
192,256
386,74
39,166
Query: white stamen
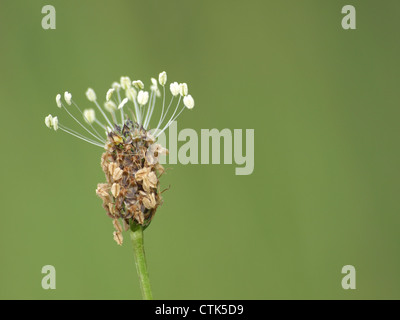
54,123
131,93
125,82
109,94
143,97
116,86
58,100
91,95
175,88
183,89
68,97
110,106
162,78
188,101
134,91
138,84
79,109
156,91
48,121
121,105
89,115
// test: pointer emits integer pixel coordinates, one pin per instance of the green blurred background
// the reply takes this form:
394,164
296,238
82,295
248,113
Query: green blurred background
324,103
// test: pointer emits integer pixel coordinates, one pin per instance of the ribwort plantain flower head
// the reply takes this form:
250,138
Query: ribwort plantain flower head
130,162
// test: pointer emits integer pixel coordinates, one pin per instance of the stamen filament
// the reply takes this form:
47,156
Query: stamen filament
166,112
152,103
102,112
70,114
77,136
122,109
100,124
83,115
171,119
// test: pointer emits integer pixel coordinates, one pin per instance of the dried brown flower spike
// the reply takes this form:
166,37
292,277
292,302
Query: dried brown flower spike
130,162
132,171
131,158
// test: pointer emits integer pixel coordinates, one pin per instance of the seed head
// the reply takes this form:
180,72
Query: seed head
132,188
131,164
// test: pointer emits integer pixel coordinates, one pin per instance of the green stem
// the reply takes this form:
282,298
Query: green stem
136,232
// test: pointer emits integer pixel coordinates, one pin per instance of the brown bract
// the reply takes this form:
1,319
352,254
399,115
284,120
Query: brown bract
132,169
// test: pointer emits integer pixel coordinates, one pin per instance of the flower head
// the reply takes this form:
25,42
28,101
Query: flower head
131,158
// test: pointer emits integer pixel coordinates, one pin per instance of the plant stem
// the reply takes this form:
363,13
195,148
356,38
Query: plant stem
136,232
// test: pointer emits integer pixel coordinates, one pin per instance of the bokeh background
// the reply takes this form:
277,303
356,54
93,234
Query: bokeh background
324,103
